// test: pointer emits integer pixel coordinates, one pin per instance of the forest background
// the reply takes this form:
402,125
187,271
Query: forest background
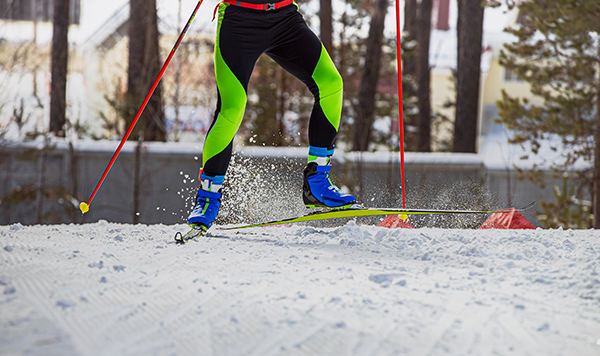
556,50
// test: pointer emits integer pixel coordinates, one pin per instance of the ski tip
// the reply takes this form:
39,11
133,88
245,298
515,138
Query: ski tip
84,208
197,230
529,206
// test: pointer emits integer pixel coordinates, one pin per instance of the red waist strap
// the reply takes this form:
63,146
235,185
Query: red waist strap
266,7
248,5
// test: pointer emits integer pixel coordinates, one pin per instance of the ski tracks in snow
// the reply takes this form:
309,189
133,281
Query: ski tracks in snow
107,289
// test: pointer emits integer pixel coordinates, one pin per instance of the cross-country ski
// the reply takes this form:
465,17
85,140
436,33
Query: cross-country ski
362,211
353,212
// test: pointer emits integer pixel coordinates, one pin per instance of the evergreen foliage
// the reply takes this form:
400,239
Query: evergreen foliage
567,210
557,51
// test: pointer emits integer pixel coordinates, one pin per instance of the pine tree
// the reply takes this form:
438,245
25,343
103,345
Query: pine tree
468,73
557,51
424,75
144,65
365,107
326,24
60,58
409,65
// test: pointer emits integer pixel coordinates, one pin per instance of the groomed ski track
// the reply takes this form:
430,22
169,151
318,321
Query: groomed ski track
118,289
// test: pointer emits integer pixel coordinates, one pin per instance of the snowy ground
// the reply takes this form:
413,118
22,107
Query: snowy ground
114,289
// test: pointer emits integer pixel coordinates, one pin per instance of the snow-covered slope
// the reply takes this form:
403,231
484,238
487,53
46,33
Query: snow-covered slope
113,289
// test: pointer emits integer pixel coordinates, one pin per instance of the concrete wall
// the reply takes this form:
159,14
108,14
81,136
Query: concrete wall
262,183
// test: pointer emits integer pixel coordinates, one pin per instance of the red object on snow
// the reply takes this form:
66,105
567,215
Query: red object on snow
394,221
510,220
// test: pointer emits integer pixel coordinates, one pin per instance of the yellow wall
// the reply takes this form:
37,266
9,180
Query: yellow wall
494,83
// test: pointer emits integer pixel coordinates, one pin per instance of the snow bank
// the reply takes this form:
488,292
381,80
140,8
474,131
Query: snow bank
117,289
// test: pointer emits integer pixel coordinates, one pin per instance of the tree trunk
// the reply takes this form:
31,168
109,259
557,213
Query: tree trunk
424,76
469,32
409,65
596,183
144,65
370,76
326,31
73,163
59,65
137,180
176,94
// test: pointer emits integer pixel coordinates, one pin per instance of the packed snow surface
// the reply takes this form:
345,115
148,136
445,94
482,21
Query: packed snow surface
118,289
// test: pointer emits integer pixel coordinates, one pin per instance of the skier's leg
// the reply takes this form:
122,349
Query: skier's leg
237,47
298,50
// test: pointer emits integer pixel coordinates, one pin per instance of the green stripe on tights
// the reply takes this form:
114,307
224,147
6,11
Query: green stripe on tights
233,103
330,86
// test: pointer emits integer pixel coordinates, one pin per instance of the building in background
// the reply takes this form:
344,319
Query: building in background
98,63
494,77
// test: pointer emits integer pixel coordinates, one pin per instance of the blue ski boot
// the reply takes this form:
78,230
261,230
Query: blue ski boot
208,202
318,190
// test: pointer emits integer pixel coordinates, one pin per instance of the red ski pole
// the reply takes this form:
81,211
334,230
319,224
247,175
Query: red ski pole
400,110
85,207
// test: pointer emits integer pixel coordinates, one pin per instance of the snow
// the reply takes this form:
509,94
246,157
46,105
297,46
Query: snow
351,289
